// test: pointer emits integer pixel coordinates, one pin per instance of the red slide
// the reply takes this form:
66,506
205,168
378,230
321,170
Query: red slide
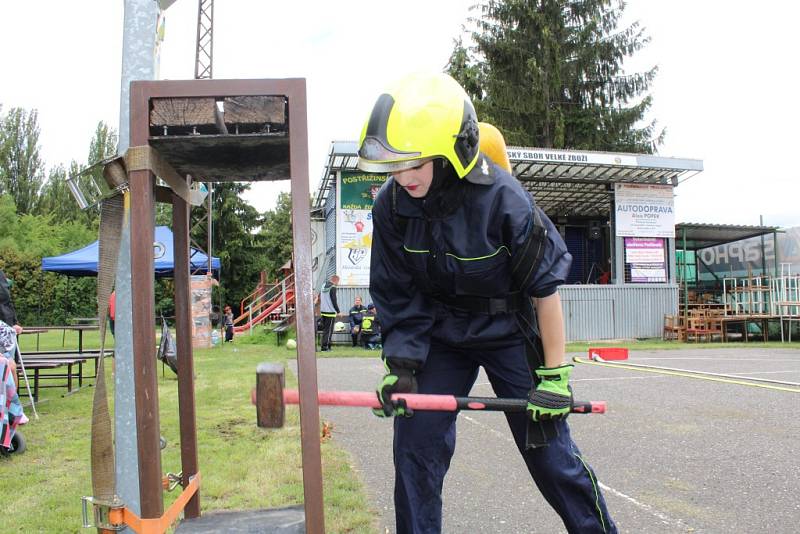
258,319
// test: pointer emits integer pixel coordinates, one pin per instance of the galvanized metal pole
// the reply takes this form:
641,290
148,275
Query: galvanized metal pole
138,63
763,254
685,284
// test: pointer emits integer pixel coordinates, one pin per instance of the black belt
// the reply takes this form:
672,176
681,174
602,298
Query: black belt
512,303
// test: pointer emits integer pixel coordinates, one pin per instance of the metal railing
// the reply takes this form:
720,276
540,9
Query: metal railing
265,296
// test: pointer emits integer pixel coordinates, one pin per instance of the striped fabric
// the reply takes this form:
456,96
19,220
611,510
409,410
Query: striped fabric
10,407
8,338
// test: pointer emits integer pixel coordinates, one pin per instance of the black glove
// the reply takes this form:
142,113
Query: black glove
399,378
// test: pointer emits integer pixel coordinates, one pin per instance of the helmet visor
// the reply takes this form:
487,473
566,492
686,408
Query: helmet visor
375,156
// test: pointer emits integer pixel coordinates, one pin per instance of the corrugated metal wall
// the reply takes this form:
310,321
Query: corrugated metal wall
594,312
330,234
345,296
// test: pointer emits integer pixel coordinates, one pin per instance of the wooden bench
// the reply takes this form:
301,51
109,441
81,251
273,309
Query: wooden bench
42,364
280,332
93,354
338,338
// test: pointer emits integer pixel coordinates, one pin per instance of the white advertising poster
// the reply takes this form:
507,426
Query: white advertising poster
355,195
644,210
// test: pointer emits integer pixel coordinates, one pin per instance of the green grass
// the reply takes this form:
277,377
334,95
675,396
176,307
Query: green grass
61,340
243,467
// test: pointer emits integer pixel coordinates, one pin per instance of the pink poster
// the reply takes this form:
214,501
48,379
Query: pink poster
646,259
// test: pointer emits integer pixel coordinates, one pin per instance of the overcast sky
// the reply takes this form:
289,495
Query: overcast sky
726,90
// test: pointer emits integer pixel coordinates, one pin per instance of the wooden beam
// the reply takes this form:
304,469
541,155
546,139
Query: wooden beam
182,112
255,110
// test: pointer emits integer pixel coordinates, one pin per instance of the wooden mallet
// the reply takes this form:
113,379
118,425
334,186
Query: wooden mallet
271,399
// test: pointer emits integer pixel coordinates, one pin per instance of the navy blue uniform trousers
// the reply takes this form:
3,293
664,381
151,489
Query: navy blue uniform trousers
424,445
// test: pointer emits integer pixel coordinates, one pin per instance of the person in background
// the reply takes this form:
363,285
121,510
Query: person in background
8,314
12,329
112,310
11,415
228,321
356,316
371,328
328,308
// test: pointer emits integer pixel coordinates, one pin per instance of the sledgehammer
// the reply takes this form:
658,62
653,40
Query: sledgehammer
270,399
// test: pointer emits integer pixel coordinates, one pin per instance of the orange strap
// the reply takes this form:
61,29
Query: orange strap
159,525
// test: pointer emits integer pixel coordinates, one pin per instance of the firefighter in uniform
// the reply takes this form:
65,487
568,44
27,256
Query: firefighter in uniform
328,309
465,269
371,328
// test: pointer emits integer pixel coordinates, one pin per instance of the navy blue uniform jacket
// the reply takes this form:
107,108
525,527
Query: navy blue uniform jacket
465,252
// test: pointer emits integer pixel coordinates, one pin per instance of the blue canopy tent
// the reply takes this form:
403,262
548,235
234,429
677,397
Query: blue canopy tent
83,262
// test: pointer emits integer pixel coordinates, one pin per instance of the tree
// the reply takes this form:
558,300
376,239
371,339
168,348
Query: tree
43,298
549,73
103,144
234,241
21,168
276,233
55,197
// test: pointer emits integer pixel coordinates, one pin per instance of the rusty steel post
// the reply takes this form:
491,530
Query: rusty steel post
183,342
306,341
142,300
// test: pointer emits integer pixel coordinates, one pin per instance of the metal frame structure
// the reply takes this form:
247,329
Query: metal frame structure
204,52
143,197
579,186
562,181
204,70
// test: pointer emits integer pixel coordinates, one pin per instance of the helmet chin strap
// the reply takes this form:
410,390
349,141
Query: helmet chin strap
444,176
446,191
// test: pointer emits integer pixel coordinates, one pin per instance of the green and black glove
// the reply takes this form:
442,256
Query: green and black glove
552,397
399,378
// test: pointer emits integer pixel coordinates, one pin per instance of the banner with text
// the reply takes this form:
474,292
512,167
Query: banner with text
645,260
644,210
355,194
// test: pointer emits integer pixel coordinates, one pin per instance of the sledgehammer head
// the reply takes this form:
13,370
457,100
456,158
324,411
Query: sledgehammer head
269,395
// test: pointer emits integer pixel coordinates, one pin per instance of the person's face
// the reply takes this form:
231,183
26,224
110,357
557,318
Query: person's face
416,181
358,301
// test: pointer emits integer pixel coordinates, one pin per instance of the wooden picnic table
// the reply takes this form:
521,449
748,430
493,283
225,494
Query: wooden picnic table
39,364
80,328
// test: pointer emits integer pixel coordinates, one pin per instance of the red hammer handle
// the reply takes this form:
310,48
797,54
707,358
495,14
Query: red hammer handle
442,403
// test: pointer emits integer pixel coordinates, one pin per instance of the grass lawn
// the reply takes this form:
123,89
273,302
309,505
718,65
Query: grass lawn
243,466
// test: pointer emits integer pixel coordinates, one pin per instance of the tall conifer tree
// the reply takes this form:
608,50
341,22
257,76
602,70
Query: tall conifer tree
21,166
549,73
